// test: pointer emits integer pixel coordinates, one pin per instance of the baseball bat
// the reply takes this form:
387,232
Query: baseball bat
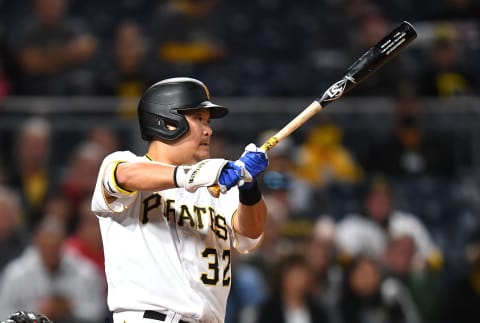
360,70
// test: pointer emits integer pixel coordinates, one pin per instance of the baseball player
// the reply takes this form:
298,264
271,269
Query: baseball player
168,241
27,317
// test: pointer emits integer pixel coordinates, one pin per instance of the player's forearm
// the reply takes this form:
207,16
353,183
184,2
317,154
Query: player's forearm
250,219
144,176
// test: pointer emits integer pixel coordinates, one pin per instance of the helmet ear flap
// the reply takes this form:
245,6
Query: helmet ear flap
162,104
163,124
172,125
156,125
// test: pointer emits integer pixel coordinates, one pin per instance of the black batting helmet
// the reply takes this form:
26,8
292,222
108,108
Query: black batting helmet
163,102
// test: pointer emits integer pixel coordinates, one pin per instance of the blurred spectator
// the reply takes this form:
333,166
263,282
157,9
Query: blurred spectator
5,83
323,159
252,281
446,72
400,255
327,274
46,279
455,10
5,80
59,206
202,37
3,175
53,51
86,241
368,298
30,173
7,70
369,233
398,10
13,238
106,137
410,151
291,301
356,10
463,292
357,235
273,244
128,70
80,174
187,33
422,286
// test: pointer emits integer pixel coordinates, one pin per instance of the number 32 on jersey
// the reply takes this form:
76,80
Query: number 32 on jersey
215,272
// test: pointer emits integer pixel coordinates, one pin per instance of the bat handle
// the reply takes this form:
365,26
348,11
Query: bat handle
270,143
214,189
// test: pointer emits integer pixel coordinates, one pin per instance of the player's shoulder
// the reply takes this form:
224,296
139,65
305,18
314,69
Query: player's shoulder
122,154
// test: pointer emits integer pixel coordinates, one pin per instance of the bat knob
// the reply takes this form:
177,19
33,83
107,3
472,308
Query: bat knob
214,190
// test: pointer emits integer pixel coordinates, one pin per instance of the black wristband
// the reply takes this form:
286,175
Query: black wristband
251,195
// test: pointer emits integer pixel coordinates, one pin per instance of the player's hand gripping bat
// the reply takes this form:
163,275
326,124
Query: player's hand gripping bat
360,70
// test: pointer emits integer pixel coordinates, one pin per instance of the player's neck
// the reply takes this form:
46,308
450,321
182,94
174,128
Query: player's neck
161,152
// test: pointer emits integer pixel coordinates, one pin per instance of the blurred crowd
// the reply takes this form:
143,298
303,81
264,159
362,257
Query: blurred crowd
267,47
360,230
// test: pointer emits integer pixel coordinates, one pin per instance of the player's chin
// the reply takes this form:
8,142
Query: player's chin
203,152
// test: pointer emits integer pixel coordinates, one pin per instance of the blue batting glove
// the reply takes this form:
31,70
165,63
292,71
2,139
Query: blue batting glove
231,175
254,160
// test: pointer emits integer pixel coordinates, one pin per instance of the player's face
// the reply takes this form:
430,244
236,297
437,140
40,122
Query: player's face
197,139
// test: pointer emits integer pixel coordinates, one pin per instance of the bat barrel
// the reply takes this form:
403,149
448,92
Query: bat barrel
370,61
382,52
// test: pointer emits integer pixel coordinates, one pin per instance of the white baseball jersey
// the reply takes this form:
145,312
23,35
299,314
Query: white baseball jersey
168,250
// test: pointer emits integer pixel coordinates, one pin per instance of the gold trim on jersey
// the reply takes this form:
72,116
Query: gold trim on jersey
105,198
108,204
114,181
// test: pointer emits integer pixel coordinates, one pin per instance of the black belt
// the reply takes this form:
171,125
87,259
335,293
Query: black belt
157,316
